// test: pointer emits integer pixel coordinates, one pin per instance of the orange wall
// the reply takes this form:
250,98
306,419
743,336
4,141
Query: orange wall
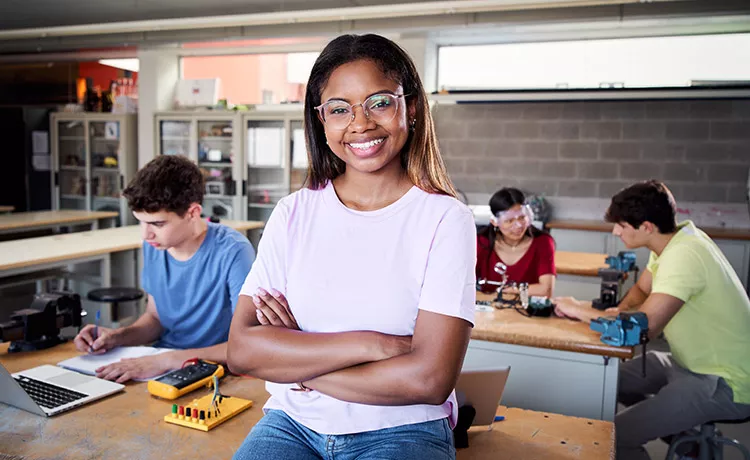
242,78
273,75
101,75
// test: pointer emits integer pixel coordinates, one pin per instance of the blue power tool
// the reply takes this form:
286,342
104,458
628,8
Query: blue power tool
624,261
624,330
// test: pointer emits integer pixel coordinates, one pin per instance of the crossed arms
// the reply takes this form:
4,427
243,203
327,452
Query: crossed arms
363,367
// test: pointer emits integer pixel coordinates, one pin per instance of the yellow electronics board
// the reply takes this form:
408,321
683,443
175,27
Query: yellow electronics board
207,412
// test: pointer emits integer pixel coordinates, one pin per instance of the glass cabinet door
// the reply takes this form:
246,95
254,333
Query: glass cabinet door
175,137
104,141
216,161
299,156
267,179
72,163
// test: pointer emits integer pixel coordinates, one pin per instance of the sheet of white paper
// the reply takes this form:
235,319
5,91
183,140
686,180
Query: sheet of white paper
269,147
39,142
41,162
250,143
299,150
112,130
87,364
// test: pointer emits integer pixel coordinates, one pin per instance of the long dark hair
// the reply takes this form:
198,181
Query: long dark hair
420,157
502,200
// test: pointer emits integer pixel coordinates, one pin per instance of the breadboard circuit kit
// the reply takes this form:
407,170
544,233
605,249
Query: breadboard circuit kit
209,411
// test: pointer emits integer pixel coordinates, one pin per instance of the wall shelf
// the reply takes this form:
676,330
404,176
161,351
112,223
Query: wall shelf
593,94
93,176
212,164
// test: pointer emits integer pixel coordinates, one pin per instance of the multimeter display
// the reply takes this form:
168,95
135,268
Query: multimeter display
185,380
189,374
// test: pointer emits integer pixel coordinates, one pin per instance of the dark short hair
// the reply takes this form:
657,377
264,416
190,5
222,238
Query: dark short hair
167,183
648,201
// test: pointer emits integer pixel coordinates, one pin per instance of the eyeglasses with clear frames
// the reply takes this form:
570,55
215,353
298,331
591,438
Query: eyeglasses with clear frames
380,108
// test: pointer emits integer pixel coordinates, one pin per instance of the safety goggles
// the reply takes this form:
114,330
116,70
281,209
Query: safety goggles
515,218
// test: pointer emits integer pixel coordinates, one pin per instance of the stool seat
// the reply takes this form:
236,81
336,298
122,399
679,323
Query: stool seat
115,294
732,422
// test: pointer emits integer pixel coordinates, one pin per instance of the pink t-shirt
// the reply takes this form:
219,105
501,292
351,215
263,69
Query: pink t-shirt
346,270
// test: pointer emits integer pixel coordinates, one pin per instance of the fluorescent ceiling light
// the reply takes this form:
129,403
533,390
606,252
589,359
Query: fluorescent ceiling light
125,64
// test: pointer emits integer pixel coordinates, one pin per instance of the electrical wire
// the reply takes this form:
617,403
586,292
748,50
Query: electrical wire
513,303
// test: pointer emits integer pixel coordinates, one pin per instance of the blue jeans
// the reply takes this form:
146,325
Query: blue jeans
278,437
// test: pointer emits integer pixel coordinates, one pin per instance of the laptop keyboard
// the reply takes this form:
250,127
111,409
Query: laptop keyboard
47,395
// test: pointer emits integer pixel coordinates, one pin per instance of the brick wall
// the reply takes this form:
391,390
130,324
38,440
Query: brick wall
701,149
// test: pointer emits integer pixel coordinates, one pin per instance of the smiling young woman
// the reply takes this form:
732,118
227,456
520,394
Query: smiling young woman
359,308
391,71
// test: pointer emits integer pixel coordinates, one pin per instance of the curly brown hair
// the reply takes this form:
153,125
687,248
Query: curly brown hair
167,183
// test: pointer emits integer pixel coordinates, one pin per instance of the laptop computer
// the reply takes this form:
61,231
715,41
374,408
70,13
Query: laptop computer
482,389
49,390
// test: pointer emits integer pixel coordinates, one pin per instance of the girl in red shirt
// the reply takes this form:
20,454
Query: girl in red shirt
527,252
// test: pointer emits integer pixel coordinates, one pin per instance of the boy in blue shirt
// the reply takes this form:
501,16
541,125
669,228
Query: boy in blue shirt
192,271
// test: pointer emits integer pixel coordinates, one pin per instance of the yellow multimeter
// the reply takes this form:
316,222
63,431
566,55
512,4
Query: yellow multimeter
182,381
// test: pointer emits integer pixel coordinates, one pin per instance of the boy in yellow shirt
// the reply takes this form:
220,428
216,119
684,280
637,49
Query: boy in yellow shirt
691,293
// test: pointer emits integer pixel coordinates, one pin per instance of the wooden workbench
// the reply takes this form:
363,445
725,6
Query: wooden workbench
129,426
579,263
508,326
32,255
557,365
32,252
36,220
535,435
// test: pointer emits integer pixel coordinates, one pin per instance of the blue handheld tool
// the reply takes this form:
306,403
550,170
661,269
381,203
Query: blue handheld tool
624,330
624,261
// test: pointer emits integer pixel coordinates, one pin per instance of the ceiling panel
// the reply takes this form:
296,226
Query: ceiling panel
15,14
21,14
